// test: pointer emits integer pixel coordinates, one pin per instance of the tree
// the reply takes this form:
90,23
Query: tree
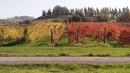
49,12
65,11
81,13
119,12
115,13
125,17
72,12
43,13
97,12
59,11
90,12
103,15
85,11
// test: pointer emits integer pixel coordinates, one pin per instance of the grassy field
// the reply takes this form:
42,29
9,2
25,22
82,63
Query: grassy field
64,51
67,68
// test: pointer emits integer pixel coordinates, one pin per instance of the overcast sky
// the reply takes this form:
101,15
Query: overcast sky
10,8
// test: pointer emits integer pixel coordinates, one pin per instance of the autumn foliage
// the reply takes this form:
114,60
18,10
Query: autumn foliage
96,30
125,36
10,32
40,31
76,32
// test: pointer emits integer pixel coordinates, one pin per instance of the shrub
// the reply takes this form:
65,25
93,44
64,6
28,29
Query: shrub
75,18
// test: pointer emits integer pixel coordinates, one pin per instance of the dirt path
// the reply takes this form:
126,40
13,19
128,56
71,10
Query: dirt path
65,60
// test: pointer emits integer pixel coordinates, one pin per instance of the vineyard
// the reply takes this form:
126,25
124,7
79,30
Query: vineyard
42,31
9,33
76,32
101,31
32,33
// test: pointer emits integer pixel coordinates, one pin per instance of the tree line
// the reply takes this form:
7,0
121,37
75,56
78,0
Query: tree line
89,14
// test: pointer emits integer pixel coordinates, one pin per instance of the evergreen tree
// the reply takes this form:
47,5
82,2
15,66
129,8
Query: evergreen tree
49,13
43,13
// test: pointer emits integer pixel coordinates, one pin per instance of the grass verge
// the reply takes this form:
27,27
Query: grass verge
65,51
65,68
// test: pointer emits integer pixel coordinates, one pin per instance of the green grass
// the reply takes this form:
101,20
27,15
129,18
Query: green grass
89,48
71,51
66,68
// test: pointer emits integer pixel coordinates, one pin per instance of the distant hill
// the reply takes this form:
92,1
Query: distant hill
3,22
19,18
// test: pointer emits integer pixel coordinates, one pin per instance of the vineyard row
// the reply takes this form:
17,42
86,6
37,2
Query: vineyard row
76,32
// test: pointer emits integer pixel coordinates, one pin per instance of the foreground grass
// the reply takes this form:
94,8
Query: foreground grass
67,68
64,51
89,48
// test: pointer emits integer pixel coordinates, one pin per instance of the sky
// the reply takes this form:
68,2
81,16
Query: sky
10,8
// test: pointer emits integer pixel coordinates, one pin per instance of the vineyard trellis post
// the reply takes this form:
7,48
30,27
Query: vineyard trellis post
52,38
25,35
1,41
104,40
77,35
98,37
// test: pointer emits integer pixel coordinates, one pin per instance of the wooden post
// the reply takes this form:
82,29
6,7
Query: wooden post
77,36
25,36
98,37
104,35
52,38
